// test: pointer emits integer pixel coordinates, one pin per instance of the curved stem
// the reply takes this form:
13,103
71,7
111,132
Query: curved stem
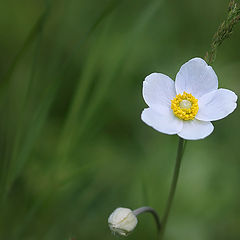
181,148
150,210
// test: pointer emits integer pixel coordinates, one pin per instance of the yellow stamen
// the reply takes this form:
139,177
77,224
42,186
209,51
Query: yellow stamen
185,106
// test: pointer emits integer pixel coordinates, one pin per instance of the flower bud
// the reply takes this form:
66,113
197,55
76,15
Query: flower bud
122,221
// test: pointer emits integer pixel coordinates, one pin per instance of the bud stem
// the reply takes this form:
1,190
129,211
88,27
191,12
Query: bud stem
140,210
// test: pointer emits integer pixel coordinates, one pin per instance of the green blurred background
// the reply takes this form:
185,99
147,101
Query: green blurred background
72,144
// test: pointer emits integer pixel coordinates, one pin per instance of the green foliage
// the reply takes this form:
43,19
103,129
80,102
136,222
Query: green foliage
72,145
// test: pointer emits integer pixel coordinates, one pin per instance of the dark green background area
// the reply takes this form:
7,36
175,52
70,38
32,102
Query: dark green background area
72,144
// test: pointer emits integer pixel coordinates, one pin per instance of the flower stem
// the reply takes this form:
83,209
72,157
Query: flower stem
152,211
180,152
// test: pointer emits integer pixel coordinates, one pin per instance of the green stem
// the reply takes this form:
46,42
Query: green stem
180,151
140,210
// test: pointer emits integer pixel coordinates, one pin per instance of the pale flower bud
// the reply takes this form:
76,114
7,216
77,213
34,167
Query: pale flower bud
122,221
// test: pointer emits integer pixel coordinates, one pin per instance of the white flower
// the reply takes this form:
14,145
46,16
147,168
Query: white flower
187,106
122,221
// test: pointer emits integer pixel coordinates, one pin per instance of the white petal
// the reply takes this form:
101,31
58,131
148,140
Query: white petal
195,129
158,91
216,105
196,77
166,123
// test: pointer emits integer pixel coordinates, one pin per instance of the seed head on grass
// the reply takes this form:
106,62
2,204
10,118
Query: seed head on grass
224,30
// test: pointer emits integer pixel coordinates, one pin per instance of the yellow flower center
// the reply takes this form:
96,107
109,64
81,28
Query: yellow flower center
185,106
